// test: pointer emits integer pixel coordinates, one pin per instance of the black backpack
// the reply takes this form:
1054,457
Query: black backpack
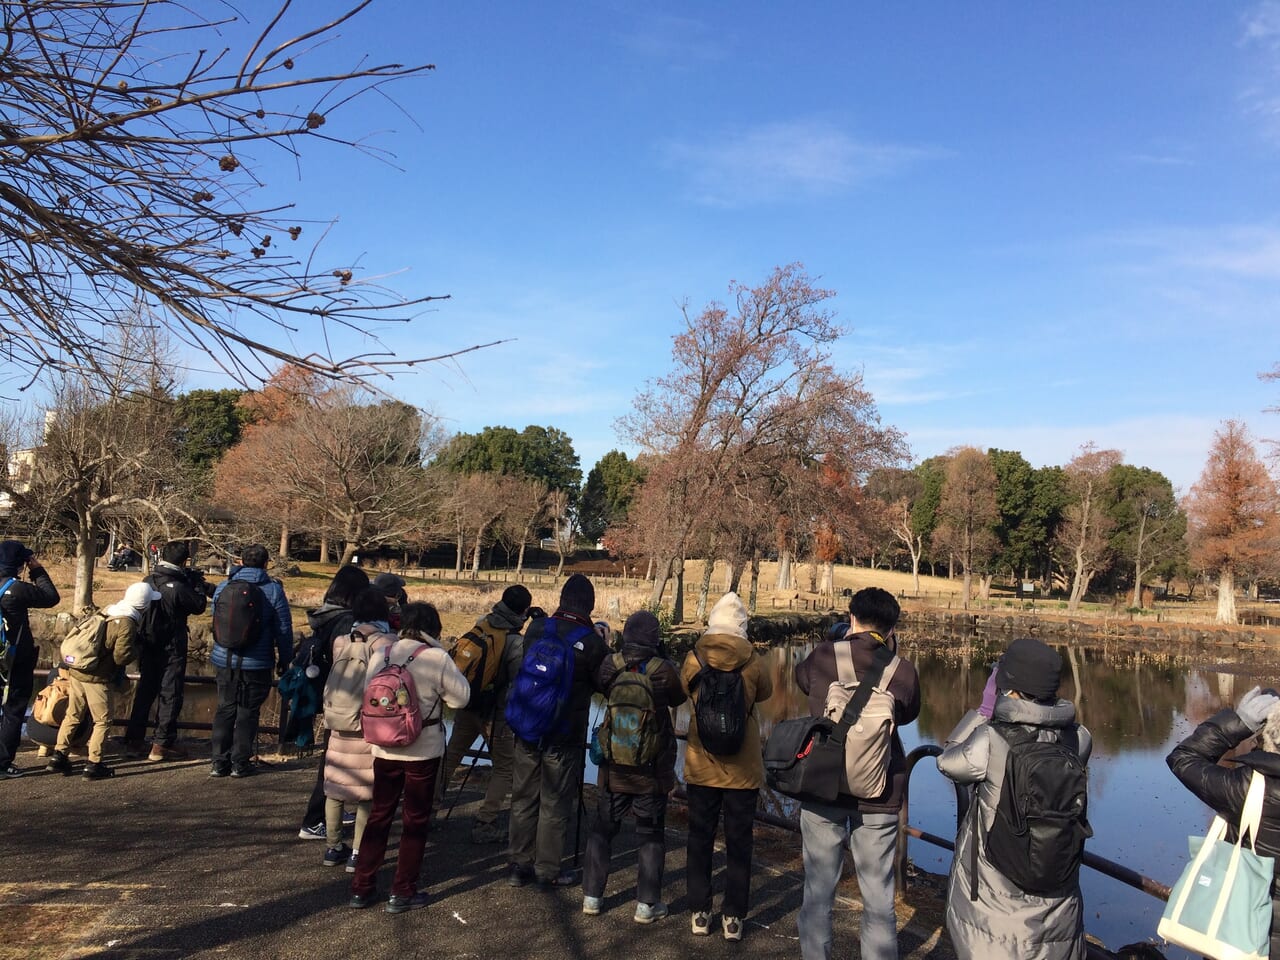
155,629
1041,822
238,615
720,709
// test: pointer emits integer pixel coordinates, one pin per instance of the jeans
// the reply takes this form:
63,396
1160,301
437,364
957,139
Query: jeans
468,725
705,804
162,673
873,840
13,713
543,787
416,780
241,694
650,811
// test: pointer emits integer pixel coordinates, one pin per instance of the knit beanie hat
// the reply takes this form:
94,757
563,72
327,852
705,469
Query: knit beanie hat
12,556
728,616
1031,668
641,630
517,598
578,595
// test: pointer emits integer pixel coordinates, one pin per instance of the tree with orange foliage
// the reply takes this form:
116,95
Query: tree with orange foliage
1234,514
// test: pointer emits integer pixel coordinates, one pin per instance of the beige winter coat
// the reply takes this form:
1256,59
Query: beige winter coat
745,769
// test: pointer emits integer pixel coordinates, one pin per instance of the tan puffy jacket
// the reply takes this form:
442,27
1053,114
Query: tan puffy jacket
745,769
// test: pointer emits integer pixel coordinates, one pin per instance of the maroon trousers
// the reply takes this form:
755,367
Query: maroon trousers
416,780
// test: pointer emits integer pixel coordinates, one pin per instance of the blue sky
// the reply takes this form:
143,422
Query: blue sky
1046,224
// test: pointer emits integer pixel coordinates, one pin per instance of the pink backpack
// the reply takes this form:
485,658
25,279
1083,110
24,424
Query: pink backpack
390,715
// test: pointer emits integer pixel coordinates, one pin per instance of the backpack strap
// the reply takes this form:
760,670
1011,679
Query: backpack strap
853,709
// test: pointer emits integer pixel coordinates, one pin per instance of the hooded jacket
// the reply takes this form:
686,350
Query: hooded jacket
1195,763
275,641
178,601
1005,922
745,769
816,673
494,702
667,693
21,597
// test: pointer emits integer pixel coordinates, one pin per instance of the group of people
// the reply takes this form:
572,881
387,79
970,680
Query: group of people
522,682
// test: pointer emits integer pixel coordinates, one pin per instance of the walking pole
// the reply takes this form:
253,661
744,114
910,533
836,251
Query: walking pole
457,795
577,827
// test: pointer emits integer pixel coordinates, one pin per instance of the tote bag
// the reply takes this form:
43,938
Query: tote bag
1221,905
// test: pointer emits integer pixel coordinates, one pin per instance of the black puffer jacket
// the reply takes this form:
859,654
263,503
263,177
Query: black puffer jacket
1195,762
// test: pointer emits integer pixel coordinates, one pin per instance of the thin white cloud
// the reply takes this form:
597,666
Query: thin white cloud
782,160
1245,251
1159,159
678,42
1262,24
1261,97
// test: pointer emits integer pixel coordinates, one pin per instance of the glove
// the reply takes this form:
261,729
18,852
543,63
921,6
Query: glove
1255,706
989,693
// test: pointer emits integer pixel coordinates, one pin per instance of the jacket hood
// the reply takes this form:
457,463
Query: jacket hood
503,616
325,614
1059,714
724,651
728,616
252,574
135,601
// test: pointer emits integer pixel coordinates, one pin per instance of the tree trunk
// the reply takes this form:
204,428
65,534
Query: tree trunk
475,554
968,583
1226,596
324,548
1079,582
1078,696
661,574
283,552
460,548
86,555
827,584
677,606
520,559
349,549
734,579
704,589
783,580
648,570
984,586
915,572
755,581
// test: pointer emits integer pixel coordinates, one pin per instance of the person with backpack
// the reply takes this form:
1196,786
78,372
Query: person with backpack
864,650
723,766
252,633
418,670
1195,762
1014,887
638,765
548,710
348,763
115,635
18,651
162,656
489,656
332,619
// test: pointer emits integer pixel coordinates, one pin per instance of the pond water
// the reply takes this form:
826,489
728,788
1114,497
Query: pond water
1137,702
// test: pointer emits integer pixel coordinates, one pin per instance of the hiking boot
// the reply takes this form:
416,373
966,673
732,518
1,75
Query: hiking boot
565,878
314,832
519,875
160,753
246,769
488,833
336,856
59,763
402,904
649,912
217,769
10,772
359,901
351,861
732,927
592,906
701,924
97,771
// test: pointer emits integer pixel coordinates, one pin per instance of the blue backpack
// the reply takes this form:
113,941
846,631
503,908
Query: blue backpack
543,686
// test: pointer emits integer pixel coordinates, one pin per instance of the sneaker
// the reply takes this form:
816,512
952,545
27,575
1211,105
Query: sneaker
488,833
519,875
732,927
400,904
348,818
314,832
10,772
649,912
351,861
592,906
565,878
246,769
701,924
98,771
59,763
359,901
219,769
337,856
159,753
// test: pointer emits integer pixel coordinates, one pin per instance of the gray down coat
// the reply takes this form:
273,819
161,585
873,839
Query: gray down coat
1004,921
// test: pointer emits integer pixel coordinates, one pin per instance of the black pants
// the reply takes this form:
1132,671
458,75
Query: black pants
14,712
705,804
162,673
650,811
315,803
241,694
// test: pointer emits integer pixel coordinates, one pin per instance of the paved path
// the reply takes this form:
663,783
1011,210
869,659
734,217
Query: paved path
162,862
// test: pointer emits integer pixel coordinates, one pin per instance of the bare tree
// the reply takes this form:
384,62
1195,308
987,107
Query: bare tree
968,511
1085,529
127,144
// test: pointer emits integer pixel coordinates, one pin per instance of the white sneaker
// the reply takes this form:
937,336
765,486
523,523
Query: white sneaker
701,923
591,905
649,912
732,927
